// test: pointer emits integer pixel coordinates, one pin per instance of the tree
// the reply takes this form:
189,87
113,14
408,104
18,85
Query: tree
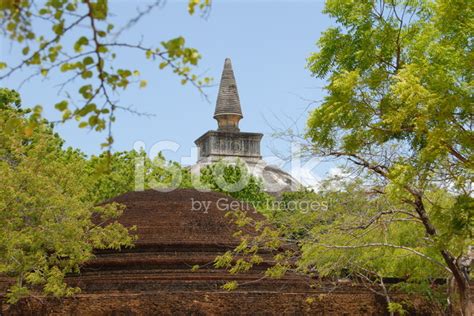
90,58
234,179
344,231
368,237
112,174
399,108
45,215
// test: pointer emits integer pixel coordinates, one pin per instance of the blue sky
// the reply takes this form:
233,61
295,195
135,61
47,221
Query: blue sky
268,42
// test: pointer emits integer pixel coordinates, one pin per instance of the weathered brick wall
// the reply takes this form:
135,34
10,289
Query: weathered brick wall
208,303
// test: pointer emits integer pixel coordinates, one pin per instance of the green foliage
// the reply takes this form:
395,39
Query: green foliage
223,261
398,77
297,211
236,181
399,107
82,45
396,308
360,234
361,231
230,286
9,99
45,215
201,4
277,271
112,174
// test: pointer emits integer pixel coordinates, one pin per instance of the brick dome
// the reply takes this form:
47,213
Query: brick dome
180,218
156,276
174,234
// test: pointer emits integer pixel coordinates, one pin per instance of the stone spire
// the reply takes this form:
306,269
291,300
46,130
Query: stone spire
228,112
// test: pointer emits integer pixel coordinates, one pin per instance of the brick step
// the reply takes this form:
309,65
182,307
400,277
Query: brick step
160,260
182,282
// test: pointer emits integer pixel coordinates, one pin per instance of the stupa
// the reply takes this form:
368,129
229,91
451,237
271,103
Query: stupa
229,144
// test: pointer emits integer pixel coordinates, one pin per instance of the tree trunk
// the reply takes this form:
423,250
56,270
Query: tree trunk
465,300
461,279
462,283
464,305
450,293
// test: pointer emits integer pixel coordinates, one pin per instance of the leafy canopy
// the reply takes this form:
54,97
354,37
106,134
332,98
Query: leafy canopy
399,107
81,47
45,214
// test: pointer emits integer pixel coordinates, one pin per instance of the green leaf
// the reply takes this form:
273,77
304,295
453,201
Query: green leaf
44,11
71,7
86,74
87,109
163,64
102,49
88,61
65,67
11,26
61,106
230,286
93,120
86,91
82,41
58,28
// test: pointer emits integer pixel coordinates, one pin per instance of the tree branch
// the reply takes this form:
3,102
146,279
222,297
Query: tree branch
377,245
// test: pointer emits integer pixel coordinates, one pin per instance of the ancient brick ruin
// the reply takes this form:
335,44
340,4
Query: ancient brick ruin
156,276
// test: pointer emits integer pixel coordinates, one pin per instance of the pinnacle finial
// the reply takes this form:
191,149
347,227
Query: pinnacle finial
228,111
